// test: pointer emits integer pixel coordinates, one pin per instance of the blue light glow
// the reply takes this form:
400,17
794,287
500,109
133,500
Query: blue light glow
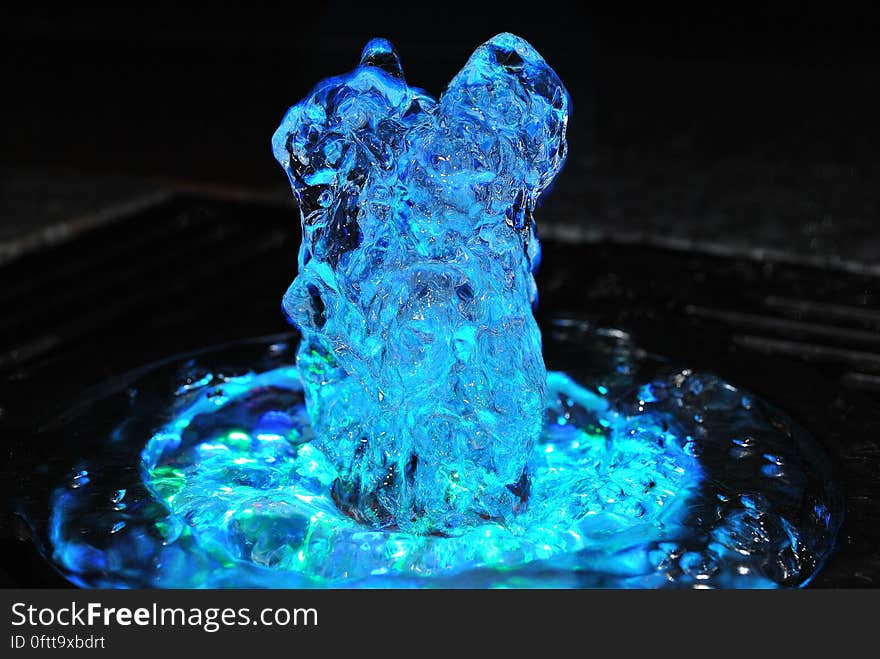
624,493
420,357
420,440
261,512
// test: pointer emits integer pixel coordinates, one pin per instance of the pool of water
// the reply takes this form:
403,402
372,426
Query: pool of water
202,471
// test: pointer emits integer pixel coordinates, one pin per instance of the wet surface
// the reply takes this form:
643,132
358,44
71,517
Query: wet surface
647,474
800,337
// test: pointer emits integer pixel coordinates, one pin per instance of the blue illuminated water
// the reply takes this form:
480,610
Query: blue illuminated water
645,475
421,360
412,435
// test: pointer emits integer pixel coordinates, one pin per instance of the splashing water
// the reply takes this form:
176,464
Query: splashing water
420,358
645,475
419,439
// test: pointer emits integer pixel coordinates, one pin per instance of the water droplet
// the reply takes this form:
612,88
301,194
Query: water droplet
80,479
699,565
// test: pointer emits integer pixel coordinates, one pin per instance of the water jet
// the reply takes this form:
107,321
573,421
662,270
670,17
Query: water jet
412,435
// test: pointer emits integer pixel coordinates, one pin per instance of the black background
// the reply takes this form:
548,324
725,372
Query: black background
724,127
723,124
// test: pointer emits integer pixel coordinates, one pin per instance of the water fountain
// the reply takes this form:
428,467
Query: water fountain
414,436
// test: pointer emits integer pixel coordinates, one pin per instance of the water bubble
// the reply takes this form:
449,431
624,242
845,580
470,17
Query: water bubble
702,566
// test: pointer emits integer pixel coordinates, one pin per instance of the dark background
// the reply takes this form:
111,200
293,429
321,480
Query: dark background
720,202
742,127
